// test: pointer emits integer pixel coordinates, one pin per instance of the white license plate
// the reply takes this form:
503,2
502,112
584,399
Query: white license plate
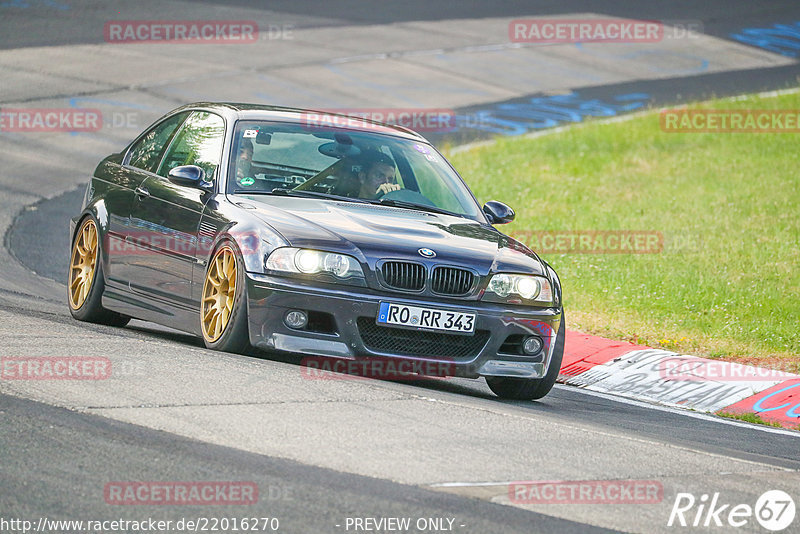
427,318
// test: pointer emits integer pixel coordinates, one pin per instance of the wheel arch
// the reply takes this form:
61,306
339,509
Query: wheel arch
96,210
254,240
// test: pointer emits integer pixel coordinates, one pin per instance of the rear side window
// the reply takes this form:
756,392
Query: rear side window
146,153
199,142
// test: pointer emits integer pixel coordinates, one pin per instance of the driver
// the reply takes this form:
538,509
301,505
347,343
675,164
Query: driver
244,173
376,175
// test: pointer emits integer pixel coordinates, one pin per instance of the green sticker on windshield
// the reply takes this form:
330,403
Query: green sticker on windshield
247,181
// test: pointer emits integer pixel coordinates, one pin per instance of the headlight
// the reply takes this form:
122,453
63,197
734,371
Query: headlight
513,287
308,261
340,267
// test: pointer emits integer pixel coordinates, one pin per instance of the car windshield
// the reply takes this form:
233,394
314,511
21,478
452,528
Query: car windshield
294,159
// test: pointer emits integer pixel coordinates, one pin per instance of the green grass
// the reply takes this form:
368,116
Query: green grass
749,418
726,285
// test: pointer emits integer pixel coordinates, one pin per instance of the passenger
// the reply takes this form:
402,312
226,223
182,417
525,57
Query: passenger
347,182
244,162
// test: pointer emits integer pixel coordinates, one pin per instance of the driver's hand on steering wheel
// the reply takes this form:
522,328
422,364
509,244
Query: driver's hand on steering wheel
386,188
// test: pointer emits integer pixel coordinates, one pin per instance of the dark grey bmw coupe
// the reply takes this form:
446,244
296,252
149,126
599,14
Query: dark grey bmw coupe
313,233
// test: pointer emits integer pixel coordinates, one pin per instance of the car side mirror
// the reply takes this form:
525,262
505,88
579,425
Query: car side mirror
498,213
189,176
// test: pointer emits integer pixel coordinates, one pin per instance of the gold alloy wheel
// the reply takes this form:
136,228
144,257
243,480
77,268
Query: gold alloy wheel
219,293
82,264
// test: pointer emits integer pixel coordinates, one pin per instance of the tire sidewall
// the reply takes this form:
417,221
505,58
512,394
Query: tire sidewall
92,306
235,336
554,367
533,388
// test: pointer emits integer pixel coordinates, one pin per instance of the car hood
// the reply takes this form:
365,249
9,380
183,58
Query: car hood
371,233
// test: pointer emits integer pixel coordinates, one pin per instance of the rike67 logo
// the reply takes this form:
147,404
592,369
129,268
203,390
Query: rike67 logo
774,510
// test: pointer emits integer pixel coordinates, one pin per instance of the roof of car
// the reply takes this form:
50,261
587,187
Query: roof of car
316,118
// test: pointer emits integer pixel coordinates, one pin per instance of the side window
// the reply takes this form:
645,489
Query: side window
147,151
199,142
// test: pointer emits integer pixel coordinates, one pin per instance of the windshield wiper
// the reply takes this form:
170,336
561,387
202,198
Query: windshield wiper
300,193
414,206
383,201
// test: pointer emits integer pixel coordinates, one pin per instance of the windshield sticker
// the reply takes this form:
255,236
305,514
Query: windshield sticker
247,181
422,149
250,133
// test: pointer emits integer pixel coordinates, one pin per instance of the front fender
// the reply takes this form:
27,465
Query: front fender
254,241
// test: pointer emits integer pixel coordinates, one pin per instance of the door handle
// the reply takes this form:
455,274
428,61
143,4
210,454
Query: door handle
141,193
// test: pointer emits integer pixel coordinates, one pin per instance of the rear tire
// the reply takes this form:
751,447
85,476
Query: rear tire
531,388
85,279
223,305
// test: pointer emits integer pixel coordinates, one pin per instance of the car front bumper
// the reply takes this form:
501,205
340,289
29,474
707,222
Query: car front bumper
354,310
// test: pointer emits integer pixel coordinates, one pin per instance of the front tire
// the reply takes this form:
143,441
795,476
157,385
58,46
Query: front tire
527,388
223,308
85,279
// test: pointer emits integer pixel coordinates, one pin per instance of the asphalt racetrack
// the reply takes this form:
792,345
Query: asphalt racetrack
325,453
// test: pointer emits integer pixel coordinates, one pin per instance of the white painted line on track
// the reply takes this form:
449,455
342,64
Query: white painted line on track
679,411
469,484
627,436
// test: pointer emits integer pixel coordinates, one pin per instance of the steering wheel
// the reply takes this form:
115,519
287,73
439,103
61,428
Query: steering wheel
407,195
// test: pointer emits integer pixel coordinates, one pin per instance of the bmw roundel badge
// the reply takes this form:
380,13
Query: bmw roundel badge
426,252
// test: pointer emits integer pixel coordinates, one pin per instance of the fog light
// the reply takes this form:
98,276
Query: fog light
296,319
532,345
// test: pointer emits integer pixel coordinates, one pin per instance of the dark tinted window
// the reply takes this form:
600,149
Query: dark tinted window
146,153
342,162
199,142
